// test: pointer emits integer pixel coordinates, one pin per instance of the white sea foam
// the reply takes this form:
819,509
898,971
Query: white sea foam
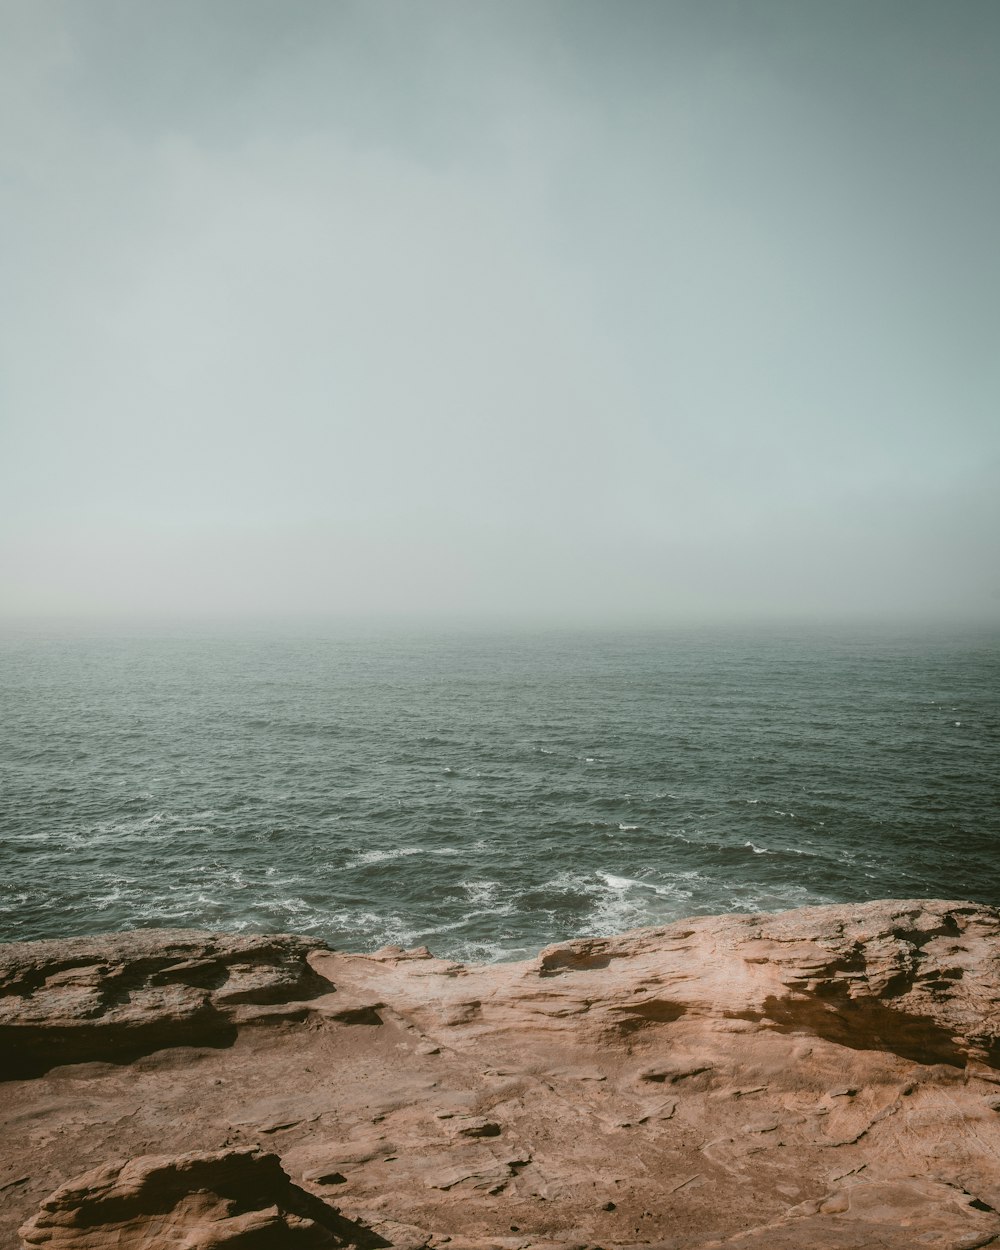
483,894
274,880
120,892
632,883
623,883
165,915
399,852
431,930
620,903
296,906
482,952
103,834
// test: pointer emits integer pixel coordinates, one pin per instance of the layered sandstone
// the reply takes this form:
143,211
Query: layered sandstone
116,996
828,1077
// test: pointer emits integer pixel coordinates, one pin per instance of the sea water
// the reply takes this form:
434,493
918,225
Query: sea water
488,793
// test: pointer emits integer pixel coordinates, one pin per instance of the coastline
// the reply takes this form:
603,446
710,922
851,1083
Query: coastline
823,1076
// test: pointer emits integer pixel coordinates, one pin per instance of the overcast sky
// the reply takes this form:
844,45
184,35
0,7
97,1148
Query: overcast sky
574,311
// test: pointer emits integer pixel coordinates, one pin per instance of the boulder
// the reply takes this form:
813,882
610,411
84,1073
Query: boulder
198,1201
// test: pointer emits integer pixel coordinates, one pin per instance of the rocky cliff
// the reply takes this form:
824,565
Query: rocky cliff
828,1077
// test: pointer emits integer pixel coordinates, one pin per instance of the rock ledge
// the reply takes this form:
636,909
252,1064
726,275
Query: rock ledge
828,1077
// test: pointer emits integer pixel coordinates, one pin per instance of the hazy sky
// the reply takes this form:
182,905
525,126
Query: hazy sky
534,308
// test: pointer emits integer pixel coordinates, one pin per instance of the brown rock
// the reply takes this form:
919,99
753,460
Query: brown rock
700,1077
198,1200
897,1215
121,995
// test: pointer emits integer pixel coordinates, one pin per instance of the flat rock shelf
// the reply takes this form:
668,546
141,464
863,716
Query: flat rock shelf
826,1077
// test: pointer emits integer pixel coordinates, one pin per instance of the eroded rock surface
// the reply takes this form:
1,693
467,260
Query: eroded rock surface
920,979
116,996
827,1078
199,1201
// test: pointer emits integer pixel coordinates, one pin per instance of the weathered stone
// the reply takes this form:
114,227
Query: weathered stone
700,1078
121,995
199,1201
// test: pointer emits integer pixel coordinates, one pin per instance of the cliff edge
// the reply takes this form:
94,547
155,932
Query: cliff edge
827,1077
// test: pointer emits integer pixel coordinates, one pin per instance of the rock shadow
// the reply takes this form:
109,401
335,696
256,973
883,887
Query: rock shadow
27,1052
866,1024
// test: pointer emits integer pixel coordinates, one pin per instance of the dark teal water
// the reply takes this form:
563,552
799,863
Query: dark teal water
489,794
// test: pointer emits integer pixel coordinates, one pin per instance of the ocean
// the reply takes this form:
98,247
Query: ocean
486,794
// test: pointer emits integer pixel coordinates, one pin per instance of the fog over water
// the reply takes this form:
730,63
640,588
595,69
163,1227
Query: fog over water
343,346
568,311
